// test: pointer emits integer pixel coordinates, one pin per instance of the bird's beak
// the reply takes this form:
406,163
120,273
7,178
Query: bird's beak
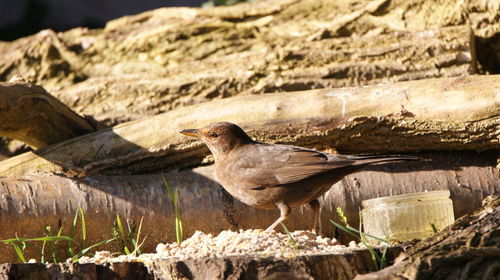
190,132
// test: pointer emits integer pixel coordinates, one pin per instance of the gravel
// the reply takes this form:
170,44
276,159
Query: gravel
249,243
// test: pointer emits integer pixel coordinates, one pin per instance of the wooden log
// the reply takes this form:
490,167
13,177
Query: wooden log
437,114
66,271
468,249
301,65
30,114
149,63
51,200
321,266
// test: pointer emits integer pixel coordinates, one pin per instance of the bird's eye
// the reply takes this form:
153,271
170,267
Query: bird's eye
213,134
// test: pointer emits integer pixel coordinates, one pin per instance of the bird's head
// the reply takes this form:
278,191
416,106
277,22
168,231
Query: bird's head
220,137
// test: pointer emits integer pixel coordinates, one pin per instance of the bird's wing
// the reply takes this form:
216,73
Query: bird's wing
272,165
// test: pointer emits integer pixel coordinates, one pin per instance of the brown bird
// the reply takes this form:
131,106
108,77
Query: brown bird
270,176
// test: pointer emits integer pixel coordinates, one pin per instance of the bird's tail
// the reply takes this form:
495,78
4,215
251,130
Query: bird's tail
366,160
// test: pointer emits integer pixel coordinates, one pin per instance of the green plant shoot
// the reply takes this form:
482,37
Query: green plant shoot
174,196
292,240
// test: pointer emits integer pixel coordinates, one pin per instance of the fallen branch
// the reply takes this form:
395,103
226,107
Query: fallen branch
438,114
51,200
30,114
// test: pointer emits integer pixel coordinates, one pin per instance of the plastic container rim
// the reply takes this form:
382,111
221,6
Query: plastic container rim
406,197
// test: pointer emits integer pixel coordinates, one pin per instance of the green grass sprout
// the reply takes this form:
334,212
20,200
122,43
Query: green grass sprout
85,251
51,242
84,227
119,234
135,238
174,197
379,260
292,240
129,236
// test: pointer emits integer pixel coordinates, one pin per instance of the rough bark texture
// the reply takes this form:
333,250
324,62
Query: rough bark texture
317,267
52,200
149,63
30,114
146,64
468,249
259,67
326,266
169,37
439,114
63,271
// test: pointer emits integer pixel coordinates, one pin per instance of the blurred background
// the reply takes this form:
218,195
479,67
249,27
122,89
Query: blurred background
19,18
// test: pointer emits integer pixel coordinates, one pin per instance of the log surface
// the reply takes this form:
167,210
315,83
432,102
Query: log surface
318,267
468,249
142,65
64,271
149,63
438,114
52,200
322,266
30,114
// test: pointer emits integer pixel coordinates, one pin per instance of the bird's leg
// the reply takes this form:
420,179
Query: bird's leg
284,212
316,216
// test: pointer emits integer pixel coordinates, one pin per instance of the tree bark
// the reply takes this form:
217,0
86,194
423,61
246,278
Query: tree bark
52,199
468,249
313,63
139,66
65,271
150,63
439,114
326,266
30,114
318,267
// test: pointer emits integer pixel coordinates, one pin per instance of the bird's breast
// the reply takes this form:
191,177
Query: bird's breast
244,191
